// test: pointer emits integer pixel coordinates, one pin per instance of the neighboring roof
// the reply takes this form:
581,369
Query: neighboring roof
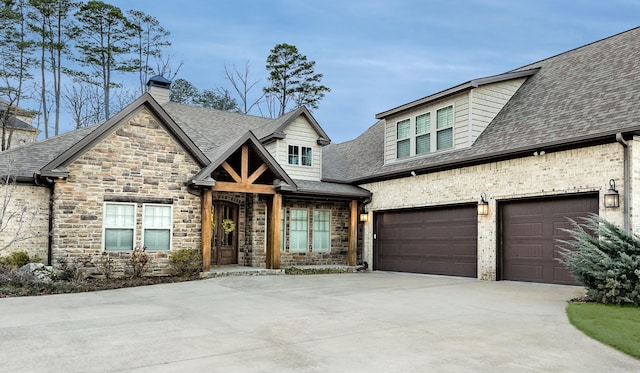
57,166
579,97
17,123
458,89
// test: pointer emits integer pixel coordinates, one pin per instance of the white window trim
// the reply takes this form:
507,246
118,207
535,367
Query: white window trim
306,249
289,155
104,225
302,148
434,139
410,136
327,250
170,228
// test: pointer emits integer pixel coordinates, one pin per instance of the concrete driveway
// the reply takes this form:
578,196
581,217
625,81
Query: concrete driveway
362,322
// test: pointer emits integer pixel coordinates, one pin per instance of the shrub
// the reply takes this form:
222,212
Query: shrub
18,258
186,262
605,259
138,262
67,271
105,265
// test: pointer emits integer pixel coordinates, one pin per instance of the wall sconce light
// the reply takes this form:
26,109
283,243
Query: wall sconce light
483,205
364,217
611,197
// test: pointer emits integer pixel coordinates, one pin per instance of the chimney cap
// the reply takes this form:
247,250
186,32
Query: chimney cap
159,81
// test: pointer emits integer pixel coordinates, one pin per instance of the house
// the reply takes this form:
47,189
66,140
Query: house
245,190
478,180
17,129
540,144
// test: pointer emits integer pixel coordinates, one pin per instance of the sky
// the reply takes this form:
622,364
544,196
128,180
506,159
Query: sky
376,54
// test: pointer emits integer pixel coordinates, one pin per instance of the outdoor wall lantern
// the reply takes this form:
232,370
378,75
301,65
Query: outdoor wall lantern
611,197
483,205
364,217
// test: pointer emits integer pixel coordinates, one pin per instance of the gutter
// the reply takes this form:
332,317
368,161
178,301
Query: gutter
620,139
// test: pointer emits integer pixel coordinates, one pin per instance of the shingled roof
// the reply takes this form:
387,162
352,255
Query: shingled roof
579,97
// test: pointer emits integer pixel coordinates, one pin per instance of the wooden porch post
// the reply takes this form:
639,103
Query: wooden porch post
353,233
206,229
273,238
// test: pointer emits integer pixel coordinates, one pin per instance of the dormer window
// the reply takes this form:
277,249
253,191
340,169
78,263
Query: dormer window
445,128
300,155
403,141
423,133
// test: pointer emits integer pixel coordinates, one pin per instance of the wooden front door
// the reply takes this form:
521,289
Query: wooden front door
224,245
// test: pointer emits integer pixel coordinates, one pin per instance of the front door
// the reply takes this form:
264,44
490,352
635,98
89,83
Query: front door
224,245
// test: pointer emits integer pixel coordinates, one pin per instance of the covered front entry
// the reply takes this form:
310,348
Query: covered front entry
224,245
530,230
440,241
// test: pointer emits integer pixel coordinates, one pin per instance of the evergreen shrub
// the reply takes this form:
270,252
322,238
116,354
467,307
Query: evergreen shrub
605,260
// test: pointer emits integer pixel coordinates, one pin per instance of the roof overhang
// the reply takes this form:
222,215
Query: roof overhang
458,89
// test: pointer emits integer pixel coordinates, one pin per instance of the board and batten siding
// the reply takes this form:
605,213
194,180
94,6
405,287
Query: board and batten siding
299,133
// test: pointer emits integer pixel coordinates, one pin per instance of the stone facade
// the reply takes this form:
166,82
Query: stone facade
552,174
339,222
139,162
28,207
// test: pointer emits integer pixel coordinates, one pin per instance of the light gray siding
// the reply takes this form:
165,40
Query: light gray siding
299,133
487,101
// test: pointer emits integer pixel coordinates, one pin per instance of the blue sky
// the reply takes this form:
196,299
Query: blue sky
375,54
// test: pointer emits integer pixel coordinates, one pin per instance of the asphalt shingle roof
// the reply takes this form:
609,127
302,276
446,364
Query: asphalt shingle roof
586,93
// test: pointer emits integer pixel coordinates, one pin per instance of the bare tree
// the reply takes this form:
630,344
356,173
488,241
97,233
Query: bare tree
83,102
164,68
241,84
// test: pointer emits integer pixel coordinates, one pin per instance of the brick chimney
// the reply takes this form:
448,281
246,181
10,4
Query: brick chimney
158,88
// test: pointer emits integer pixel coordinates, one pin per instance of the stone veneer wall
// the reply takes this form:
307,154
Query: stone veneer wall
555,173
140,159
339,234
32,203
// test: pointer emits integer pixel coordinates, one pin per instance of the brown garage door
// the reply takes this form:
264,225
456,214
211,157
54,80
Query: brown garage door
530,230
440,241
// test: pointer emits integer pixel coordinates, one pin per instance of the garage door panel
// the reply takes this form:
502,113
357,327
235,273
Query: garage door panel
433,241
529,240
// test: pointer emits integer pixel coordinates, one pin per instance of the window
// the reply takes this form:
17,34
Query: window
293,154
444,126
283,231
423,133
156,224
298,230
119,225
306,156
402,139
321,230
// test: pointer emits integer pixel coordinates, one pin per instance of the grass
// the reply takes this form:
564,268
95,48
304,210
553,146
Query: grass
613,325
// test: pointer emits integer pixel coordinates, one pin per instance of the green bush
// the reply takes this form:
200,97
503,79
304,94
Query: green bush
18,258
605,259
186,262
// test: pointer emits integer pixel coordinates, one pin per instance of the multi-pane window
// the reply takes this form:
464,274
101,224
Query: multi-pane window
306,156
444,124
119,226
156,224
321,230
298,230
293,154
403,144
423,133
283,238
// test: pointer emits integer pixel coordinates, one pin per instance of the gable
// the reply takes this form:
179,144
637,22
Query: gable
299,136
144,107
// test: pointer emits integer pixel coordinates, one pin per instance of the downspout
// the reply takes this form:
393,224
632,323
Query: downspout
627,193
51,186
